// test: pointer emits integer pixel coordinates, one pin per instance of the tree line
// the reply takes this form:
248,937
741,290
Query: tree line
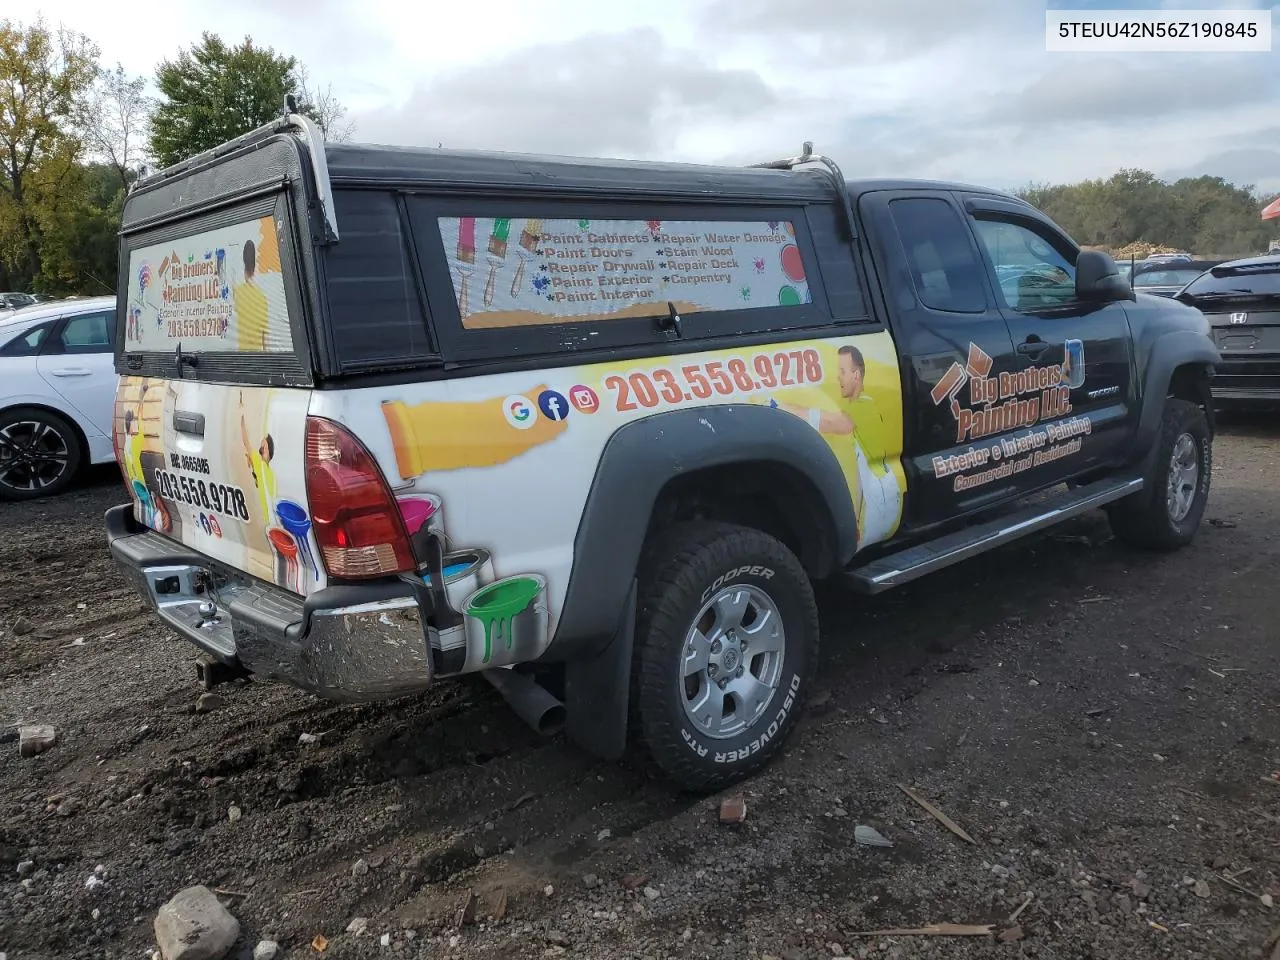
75,134
1207,216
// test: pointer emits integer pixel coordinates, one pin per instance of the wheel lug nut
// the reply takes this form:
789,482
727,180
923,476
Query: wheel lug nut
739,673
715,646
712,669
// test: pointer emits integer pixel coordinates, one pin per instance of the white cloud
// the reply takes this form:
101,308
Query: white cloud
941,88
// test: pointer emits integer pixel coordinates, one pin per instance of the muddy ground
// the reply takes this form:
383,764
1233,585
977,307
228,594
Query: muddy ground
1099,721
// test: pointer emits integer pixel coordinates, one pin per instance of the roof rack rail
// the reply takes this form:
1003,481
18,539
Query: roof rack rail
290,120
833,169
319,164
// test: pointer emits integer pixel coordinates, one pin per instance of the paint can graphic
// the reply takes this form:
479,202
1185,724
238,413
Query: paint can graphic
1074,364
286,557
295,520
465,572
145,505
507,621
423,516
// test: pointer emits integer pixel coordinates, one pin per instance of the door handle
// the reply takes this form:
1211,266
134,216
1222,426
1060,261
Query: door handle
71,371
1032,348
185,421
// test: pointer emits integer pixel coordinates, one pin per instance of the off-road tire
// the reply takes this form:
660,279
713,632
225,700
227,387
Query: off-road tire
1143,520
678,569
68,436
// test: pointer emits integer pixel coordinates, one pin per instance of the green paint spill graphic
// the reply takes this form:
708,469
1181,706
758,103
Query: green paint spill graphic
787,297
497,606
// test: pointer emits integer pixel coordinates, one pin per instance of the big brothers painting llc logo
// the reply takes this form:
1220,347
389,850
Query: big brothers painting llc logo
1008,402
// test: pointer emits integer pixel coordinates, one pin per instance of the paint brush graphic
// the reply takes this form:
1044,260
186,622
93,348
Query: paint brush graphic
529,238
466,257
497,254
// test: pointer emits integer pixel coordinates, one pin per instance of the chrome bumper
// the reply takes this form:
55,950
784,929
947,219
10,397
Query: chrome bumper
349,643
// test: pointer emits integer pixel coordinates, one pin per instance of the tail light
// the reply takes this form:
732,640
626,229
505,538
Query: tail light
356,520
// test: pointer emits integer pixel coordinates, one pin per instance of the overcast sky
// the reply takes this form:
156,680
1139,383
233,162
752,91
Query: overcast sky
957,89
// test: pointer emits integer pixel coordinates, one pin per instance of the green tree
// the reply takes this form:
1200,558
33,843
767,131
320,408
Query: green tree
80,231
45,79
213,93
1209,216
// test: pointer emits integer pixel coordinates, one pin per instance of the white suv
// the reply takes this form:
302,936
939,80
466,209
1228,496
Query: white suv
57,390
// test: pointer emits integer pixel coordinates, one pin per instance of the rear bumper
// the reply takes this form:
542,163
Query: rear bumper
351,643
1248,376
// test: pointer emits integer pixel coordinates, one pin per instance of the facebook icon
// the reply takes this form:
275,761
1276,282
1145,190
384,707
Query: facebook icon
553,405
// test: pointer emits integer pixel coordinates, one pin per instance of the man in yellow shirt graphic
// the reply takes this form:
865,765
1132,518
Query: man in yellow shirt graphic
879,497
259,460
133,441
250,307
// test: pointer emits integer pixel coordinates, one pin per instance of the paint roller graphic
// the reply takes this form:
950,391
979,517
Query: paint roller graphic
432,435
497,255
529,238
466,258
978,364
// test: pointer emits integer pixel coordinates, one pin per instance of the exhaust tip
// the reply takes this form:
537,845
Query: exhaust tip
531,702
552,721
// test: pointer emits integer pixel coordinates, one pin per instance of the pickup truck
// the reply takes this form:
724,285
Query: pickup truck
593,429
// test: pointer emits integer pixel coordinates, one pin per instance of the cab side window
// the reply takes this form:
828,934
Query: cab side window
1030,273
87,333
945,269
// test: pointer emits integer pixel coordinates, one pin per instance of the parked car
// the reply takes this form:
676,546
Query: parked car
57,389
15,301
1165,278
1241,299
406,414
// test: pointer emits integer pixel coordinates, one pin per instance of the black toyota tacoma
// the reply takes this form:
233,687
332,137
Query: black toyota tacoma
592,429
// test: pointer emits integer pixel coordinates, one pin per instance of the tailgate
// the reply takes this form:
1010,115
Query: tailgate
219,468
1251,327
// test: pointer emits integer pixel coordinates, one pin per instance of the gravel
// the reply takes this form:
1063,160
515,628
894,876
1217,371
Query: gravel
452,796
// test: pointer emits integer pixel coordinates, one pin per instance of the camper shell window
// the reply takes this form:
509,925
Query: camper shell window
513,277
223,286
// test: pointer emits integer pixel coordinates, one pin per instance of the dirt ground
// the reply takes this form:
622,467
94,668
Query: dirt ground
1100,722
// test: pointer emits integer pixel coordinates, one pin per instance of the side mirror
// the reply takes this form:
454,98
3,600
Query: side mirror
1098,280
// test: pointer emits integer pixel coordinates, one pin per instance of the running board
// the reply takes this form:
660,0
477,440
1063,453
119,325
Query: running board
914,562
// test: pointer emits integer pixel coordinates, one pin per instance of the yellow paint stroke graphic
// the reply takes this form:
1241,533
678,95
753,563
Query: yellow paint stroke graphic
453,435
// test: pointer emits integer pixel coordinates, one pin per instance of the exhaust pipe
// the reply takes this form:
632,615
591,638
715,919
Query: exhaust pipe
530,701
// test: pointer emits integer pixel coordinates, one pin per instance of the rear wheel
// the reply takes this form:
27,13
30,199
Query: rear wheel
40,453
726,644
1167,511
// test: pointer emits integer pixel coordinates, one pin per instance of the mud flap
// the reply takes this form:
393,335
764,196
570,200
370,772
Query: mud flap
598,690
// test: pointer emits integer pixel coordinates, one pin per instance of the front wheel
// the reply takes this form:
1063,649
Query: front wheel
726,645
1164,515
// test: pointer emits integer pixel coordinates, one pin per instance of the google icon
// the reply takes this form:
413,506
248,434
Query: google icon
520,413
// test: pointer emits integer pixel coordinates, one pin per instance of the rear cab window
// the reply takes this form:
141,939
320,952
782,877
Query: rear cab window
945,270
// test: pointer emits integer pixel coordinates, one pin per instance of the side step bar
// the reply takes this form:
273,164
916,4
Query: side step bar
915,562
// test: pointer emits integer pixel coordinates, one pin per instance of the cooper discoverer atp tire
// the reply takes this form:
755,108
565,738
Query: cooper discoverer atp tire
726,645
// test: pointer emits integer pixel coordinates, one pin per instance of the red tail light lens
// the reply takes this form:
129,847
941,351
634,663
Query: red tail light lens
356,520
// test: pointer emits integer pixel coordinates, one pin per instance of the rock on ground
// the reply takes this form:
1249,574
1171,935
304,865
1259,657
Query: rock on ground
36,739
194,925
